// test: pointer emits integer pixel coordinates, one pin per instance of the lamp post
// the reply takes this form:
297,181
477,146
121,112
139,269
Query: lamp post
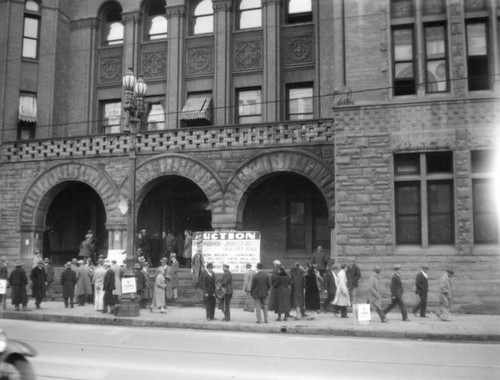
135,89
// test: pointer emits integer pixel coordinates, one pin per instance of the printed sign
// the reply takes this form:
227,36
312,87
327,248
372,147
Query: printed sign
129,285
234,248
117,254
3,286
363,313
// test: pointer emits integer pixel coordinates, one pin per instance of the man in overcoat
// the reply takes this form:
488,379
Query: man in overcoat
421,289
247,287
49,270
18,281
261,283
38,279
109,287
68,283
330,285
227,285
374,293
208,286
445,296
175,273
397,293
353,274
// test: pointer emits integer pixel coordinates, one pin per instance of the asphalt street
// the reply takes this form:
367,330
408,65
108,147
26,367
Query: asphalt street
92,352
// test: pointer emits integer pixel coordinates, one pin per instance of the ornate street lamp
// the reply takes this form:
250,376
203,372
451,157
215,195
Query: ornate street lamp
135,89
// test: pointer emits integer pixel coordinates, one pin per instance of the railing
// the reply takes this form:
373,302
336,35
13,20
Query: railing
204,138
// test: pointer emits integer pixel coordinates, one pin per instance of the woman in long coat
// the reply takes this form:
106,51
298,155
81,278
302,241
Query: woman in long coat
281,284
342,295
297,276
312,300
159,290
68,282
18,281
169,274
197,268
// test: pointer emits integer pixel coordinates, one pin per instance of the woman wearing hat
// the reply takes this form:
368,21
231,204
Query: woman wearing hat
159,290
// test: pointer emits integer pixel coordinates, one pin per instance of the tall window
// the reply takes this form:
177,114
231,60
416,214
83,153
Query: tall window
249,106
299,11
424,198
156,21
249,14
27,116
113,30
155,115
486,207
31,29
203,17
300,101
436,58
477,55
111,112
296,224
404,65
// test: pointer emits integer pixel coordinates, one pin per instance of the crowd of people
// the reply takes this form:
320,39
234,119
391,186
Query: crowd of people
296,291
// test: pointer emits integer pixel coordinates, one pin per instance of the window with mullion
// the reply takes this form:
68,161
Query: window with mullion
404,62
436,66
250,14
203,18
478,70
300,101
440,212
299,11
249,106
408,222
31,32
111,112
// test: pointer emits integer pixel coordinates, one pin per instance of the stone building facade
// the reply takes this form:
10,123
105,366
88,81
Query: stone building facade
367,127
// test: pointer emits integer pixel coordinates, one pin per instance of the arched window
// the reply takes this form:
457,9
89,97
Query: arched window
249,14
203,17
113,30
155,21
31,29
299,11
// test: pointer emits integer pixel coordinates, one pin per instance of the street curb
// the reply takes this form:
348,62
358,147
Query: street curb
112,320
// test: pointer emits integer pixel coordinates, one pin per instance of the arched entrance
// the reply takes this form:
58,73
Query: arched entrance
173,203
291,214
75,209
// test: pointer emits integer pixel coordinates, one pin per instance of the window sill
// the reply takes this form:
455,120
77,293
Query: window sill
432,250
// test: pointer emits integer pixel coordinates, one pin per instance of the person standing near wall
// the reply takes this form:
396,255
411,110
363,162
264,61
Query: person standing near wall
247,287
38,279
49,270
4,274
445,296
259,289
208,286
227,285
68,283
353,274
397,293
421,289
18,281
188,247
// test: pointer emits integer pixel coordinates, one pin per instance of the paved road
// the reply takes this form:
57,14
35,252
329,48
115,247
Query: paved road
91,352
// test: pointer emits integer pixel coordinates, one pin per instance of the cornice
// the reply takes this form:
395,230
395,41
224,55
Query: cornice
85,23
176,11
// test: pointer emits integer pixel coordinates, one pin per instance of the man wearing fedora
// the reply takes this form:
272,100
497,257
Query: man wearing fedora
422,286
38,279
18,281
227,284
68,283
261,283
397,293
208,286
445,296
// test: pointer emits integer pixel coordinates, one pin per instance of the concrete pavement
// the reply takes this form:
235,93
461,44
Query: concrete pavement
463,327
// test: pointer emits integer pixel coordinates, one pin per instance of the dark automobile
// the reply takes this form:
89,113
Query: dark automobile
14,364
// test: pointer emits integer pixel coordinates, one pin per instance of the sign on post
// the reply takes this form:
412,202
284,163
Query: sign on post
129,285
235,248
3,286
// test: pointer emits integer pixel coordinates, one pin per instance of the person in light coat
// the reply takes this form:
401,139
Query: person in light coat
247,287
159,290
98,281
84,283
341,300
445,296
374,294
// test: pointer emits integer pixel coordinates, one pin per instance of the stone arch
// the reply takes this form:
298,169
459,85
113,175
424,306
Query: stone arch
177,164
250,172
48,184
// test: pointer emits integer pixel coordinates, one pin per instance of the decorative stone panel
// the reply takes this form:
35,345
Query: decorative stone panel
110,69
154,64
298,45
247,55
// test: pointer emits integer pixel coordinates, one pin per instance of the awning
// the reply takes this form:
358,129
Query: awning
197,107
27,109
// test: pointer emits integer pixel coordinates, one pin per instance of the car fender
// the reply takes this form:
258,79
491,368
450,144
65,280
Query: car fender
17,347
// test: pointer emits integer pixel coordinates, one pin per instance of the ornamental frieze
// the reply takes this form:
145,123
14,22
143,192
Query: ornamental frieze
299,49
200,60
248,55
87,23
110,69
154,64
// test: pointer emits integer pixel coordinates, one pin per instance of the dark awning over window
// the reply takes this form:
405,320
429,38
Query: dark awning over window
27,109
197,107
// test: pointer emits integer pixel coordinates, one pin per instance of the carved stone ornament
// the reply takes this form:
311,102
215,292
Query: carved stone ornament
176,11
299,49
459,71
110,69
87,23
222,5
200,60
247,55
343,96
154,64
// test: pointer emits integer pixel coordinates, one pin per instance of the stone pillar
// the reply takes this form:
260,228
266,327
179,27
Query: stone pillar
458,73
223,53
271,92
117,235
31,241
176,16
464,234
494,45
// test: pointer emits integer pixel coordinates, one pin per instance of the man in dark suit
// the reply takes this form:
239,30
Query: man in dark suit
208,286
353,274
330,286
261,283
422,286
397,293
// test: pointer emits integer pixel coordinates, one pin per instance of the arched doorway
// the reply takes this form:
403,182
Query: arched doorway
74,210
173,203
291,214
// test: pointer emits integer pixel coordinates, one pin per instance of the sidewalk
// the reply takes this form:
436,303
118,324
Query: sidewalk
463,327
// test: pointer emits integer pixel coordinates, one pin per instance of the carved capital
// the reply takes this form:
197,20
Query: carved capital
272,2
176,11
131,17
222,5
86,23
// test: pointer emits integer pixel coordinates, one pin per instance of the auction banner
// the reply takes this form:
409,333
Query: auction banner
234,248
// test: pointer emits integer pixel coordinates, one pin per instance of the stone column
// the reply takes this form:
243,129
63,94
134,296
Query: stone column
117,235
271,93
176,16
31,241
458,73
494,45
223,53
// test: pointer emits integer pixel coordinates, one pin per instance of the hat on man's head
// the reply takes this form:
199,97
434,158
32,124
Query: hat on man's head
225,266
377,268
248,265
450,271
425,266
210,265
107,263
276,262
397,267
18,264
40,262
68,264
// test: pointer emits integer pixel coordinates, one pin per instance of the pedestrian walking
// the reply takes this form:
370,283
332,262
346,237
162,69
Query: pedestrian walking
330,282
397,293
259,289
109,300
208,286
421,289
98,281
18,282
341,300
374,296
68,283
227,285
4,275
297,291
353,274
445,296
38,279
281,284
49,270
247,287
159,291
